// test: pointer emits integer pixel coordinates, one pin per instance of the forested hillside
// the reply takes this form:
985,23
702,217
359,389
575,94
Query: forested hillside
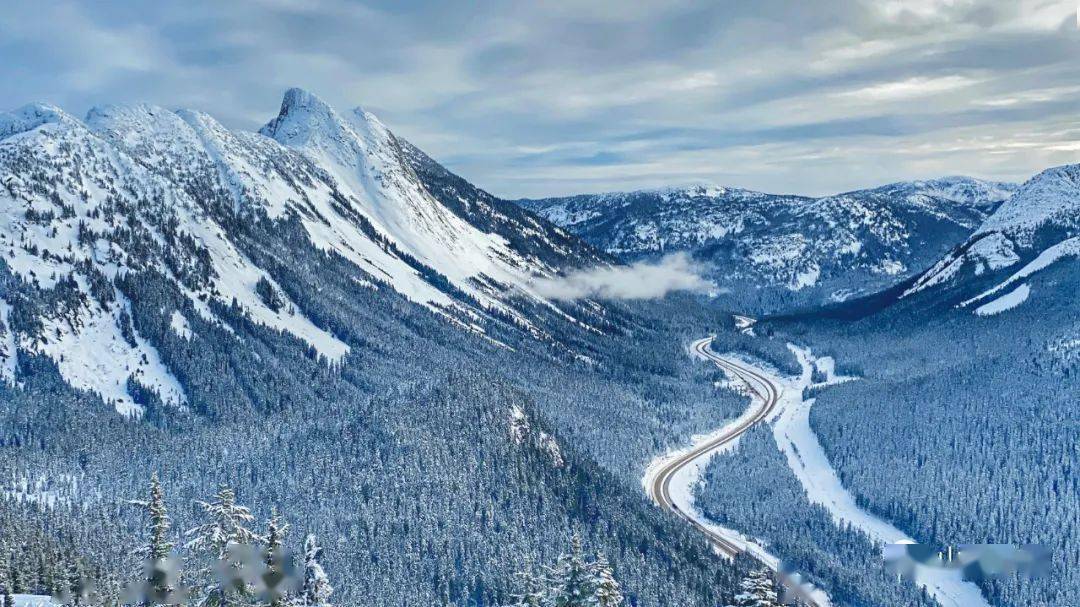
961,428
331,325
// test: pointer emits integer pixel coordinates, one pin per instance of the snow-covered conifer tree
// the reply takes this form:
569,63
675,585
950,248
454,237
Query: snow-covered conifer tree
757,590
228,524
532,591
160,524
317,588
222,538
606,589
572,582
159,581
275,561
75,586
15,576
571,578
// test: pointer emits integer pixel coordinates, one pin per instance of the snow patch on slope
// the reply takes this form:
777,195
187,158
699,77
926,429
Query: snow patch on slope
1066,248
179,325
1005,302
236,279
47,491
97,357
994,252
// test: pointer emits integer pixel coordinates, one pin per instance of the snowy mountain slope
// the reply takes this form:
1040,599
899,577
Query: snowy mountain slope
142,189
361,155
525,231
1038,227
836,246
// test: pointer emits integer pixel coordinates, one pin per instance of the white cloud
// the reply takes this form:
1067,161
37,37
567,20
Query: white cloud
909,88
642,280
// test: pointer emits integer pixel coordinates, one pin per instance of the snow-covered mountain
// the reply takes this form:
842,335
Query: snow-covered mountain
831,247
135,189
1038,228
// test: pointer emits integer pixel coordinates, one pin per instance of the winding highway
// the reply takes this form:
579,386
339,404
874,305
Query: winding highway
767,395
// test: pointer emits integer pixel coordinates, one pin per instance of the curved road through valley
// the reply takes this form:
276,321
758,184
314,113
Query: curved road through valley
766,393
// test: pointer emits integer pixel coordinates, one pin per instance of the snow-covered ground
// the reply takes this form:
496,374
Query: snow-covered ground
43,490
34,600
807,459
1006,302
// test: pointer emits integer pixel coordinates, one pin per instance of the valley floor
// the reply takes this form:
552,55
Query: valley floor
674,479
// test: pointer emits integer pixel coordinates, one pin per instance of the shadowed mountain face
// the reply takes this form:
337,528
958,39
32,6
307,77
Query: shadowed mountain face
787,248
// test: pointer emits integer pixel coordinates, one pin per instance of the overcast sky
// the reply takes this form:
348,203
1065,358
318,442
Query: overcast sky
806,97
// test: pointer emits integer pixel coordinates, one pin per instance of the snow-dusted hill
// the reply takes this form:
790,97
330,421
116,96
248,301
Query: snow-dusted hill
835,247
1039,227
134,189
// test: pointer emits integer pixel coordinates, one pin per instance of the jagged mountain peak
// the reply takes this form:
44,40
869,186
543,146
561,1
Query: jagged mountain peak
303,117
305,121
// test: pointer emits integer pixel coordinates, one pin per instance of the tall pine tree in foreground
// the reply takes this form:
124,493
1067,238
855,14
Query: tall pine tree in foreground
607,592
274,576
317,588
224,539
531,590
573,583
160,524
757,590
160,576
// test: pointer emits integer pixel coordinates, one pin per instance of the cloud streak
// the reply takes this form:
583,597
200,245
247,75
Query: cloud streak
642,280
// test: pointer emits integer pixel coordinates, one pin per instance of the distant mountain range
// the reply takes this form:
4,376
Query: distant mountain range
795,248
